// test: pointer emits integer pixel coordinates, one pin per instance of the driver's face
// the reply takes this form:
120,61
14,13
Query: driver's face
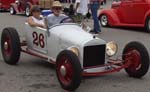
56,10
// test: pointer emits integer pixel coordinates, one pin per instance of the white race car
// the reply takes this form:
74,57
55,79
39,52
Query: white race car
75,52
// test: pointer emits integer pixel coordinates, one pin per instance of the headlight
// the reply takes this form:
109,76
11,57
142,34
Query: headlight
74,50
111,48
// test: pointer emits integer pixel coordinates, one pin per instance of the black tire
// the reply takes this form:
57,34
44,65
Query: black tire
138,55
12,10
27,11
72,77
104,20
1,9
10,45
147,24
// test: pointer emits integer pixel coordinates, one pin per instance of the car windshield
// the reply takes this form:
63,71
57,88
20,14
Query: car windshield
65,19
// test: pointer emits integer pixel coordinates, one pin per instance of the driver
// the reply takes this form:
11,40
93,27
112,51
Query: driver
56,16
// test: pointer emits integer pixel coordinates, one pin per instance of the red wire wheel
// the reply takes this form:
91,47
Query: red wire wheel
137,56
10,45
68,70
65,71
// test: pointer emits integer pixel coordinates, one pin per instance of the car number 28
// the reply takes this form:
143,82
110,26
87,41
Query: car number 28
38,39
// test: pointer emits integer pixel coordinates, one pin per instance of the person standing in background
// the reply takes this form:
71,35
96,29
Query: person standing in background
94,6
81,9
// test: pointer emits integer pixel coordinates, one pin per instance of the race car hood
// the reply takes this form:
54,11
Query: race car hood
74,35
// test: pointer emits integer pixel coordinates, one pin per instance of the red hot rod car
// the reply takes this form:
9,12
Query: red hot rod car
132,13
21,6
5,4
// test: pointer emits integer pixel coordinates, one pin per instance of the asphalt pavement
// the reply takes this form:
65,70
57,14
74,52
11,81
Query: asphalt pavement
32,74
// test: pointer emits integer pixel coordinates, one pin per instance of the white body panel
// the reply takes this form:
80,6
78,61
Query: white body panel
61,37
31,34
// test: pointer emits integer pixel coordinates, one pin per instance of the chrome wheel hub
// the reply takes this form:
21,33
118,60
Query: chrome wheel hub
6,45
27,11
63,70
11,10
104,20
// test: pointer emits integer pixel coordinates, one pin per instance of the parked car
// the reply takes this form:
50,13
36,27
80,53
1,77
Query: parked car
22,6
130,13
5,4
75,52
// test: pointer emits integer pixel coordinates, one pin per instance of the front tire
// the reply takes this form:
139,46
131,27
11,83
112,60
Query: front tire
137,55
147,24
104,20
68,70
10,45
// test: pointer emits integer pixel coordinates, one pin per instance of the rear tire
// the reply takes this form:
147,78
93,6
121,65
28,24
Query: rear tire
147,24
12,10
10,45
104,20
27,11
68,69
138,57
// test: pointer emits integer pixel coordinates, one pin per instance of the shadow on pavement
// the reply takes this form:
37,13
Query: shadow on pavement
132,29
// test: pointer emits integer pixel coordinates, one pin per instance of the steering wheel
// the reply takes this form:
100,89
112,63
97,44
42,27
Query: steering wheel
67,20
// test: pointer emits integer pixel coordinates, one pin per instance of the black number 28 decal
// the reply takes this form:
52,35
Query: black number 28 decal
38,40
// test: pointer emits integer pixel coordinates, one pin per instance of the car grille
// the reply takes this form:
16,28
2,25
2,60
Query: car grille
94,55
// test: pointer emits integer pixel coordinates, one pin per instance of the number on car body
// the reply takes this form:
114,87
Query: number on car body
38,39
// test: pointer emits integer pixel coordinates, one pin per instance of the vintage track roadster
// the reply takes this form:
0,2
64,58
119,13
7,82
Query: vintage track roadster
75,52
